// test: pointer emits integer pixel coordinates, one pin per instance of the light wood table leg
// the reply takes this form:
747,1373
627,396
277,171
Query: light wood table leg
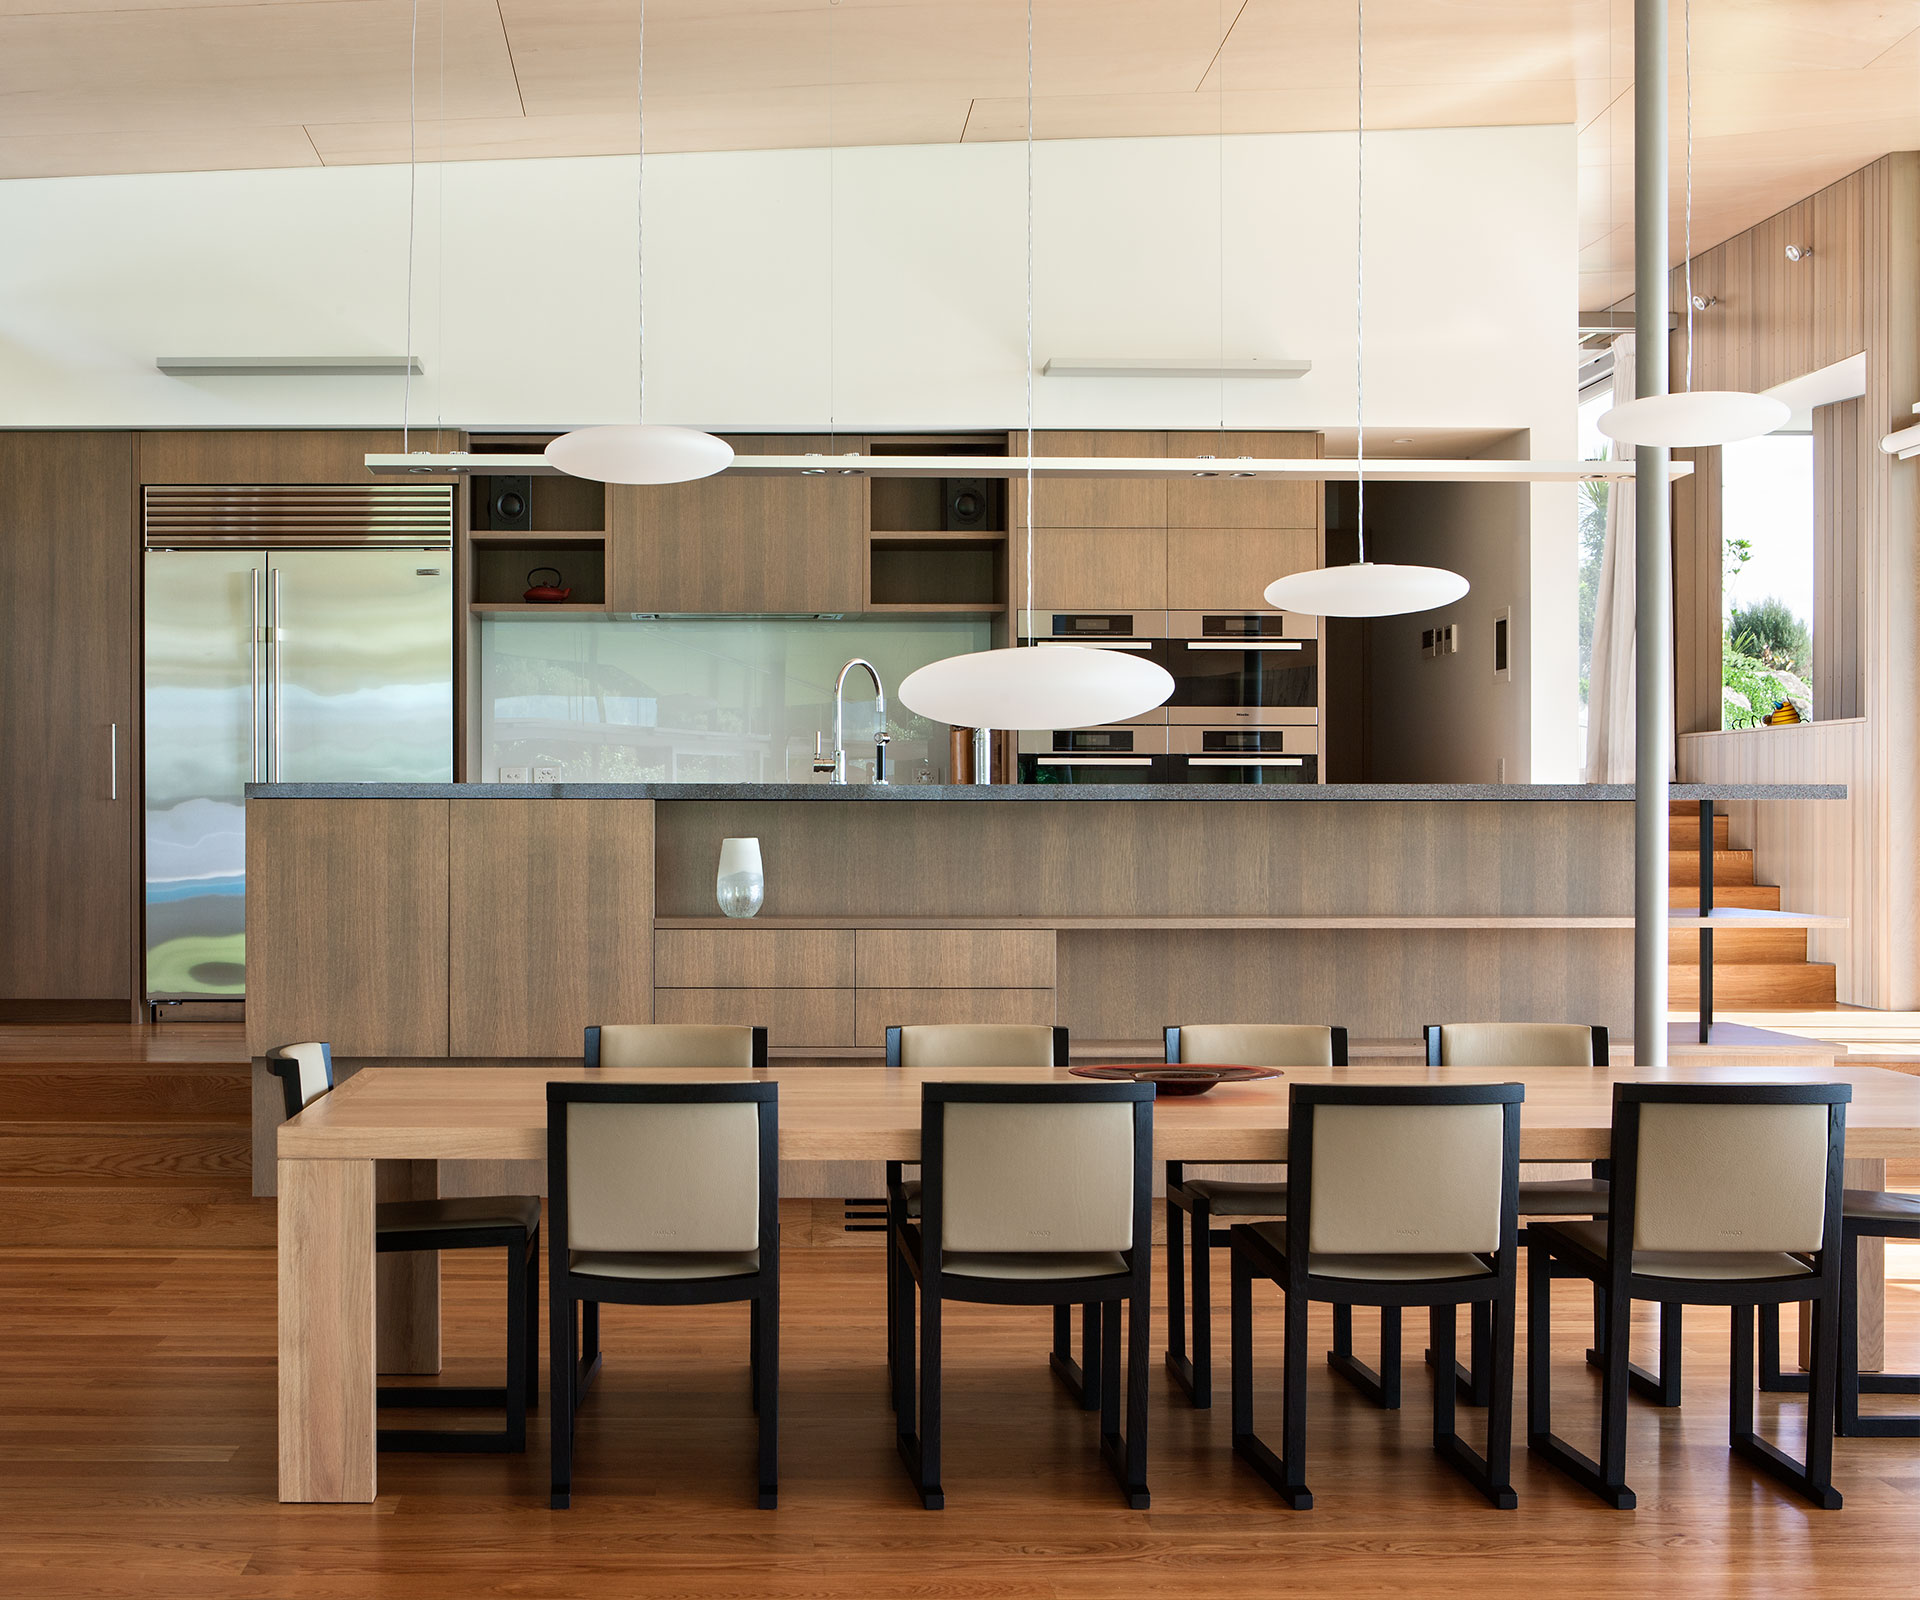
327,1425
407,1286
1873,1280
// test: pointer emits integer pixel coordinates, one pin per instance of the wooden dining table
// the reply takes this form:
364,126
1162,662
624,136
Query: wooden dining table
383,1131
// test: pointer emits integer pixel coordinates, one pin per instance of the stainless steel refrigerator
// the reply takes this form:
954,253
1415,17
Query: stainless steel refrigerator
275,665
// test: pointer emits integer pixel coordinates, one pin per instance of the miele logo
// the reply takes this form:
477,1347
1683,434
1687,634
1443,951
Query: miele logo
1039,1233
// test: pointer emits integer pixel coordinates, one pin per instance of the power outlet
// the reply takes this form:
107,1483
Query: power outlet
546,774
516,774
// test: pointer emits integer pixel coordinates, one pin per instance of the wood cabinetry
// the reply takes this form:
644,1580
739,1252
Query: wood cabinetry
347,925
1226,502
275,455
1093,502
69,738
1095,569
1231,567
550,904
843,987
742,543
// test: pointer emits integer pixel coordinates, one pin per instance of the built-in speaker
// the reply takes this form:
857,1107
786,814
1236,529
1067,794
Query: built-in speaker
971,505
510,504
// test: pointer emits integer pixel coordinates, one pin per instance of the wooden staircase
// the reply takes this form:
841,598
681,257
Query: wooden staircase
1765,969
128,1139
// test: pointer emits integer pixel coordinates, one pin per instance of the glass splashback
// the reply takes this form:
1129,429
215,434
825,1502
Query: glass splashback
704,699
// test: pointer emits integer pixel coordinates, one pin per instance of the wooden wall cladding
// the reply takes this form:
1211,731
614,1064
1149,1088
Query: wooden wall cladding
1128,984
275,455
1193,858
347,925
550,922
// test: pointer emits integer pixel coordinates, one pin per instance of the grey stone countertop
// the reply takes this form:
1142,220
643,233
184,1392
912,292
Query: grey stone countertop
1304,793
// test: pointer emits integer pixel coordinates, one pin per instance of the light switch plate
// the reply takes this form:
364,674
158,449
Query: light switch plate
546,774
516,774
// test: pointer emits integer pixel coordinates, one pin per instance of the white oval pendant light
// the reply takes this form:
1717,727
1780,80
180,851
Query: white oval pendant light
640,452
1365,589
1694,418
1036,686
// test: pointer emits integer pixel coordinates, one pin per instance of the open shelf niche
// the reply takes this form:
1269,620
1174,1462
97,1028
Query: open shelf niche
938,545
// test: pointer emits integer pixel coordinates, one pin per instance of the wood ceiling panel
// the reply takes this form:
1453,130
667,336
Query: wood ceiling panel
1788,93
246,66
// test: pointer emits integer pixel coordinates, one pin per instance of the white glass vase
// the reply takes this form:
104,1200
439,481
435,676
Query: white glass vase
741,886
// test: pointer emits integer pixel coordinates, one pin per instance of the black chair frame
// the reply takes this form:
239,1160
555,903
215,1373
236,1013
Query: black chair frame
1082,1378
914,1258
521,1392
1552,1254
1660,1386
1194,1373
1498,1291
1848,1421
590,1052
575,1337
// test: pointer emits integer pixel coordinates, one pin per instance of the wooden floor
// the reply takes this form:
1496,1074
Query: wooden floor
137,1429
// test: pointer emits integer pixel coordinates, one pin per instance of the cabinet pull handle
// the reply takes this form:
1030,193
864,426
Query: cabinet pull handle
253,675
113,761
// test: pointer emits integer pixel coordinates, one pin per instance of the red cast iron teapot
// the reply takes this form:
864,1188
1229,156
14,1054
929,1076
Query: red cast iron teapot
546,593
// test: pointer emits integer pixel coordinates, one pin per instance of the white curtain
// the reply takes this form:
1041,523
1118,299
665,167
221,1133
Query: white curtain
1610,677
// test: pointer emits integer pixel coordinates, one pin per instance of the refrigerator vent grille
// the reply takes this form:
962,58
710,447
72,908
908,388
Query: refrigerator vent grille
299,516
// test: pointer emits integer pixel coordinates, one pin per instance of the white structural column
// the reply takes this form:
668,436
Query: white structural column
1653,620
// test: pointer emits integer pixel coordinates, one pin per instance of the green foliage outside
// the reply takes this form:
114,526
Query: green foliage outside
1593,544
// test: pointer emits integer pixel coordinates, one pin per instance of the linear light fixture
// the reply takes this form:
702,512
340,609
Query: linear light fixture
1312,469
289,366
1177,367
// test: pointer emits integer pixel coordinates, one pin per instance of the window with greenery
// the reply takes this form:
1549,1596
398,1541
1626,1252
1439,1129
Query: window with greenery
1594,446
1766,592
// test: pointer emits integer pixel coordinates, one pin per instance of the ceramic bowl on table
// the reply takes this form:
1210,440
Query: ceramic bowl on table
1186,1079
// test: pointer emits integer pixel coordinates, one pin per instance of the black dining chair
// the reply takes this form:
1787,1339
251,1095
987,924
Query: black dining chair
1034,1194
504,1222
1202,1201
663,1194
1723,1195
1397,1195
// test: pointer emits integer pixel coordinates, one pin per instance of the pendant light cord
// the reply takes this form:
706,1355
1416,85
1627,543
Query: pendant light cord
1686,63
640,223
413,172
1360,278
1033,634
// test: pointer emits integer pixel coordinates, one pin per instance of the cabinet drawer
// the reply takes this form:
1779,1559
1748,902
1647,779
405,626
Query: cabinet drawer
753,958
972,958
792,1017
881,1009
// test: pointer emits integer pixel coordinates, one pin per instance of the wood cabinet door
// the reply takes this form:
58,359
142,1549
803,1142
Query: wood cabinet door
550,923
740,543
1093,569
67,646
1237,502
347,925
1090,502
1230,568
279,455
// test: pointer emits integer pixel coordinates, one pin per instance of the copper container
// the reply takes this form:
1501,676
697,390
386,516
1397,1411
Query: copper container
960,755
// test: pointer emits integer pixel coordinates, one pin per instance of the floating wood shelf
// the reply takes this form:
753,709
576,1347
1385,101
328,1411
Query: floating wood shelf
534,605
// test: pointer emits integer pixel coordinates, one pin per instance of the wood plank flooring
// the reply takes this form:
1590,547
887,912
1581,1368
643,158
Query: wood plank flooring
137,1459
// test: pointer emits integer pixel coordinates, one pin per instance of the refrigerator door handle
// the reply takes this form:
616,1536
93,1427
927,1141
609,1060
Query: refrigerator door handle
273,675
253,675
113,761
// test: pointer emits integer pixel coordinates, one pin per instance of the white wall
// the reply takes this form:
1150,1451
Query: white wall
524,295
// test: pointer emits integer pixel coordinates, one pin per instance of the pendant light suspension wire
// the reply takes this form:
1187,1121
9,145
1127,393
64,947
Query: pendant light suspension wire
640,221
1686,67
440,246
1034,637
1220,195
832,234
1360,277
413,173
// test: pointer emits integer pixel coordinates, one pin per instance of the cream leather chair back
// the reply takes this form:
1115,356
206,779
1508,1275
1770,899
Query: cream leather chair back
1405,1179
1517,1044
1259,1044
674,1044
662,1178
1739,1178
1049,1178
946,1047
305,1072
